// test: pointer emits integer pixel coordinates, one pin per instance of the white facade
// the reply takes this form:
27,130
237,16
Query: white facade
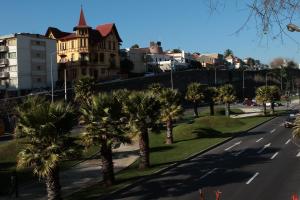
25,61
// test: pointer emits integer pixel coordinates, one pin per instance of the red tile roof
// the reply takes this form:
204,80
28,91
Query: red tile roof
106,29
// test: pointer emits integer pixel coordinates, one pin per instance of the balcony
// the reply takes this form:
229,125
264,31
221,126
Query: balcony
4,75
3,48
4,61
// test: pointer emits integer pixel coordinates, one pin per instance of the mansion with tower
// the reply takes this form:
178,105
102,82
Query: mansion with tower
87,51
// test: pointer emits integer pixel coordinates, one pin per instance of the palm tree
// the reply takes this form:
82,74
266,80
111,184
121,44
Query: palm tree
211,95
195,94
143,111
84,89
226,95
46,128
274,96
105,127
263,95
155,88
228,52
296,128
170,110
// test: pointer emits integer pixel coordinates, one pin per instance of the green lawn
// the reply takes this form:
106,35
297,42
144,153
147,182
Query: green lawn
191,136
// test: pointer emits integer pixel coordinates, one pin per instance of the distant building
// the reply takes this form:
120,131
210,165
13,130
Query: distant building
25,62
87,51
211,60
154,59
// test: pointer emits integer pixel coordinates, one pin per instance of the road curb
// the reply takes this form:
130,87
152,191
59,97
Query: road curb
173,165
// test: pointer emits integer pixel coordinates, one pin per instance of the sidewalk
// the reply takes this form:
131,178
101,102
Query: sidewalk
82,175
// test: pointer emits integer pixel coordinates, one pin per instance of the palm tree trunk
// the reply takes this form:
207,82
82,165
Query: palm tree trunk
169,139
144,149
227,109
196,110
212,108
107,164
265,108
53,185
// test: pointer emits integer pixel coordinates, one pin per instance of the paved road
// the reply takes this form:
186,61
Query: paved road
259,165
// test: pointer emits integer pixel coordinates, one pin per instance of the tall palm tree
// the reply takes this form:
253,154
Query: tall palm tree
226,95
46,127
274,96
105,127
263,95
84,89
195,94
170,110
143,111
211,96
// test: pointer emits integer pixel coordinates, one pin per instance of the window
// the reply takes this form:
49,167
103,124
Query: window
12,55
11,42
102,71
114,46
109,45
95,57
38,67
38,80
38,55
72,57
72,44
101,57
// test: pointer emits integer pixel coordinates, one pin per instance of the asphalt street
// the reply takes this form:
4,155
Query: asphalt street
261,164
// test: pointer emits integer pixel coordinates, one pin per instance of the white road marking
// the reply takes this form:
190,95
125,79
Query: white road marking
260,139
262,149
240,152
288,141
208,173
272,131
274,155
233,145
298,154
251,179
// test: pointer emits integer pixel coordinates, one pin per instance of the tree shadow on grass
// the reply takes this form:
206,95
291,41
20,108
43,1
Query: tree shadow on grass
161,148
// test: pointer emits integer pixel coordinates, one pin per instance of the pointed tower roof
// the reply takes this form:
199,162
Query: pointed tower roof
81,22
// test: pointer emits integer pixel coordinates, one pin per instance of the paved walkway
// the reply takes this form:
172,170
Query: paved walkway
82,175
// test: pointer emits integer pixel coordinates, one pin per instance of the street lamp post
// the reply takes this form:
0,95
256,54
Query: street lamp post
215,76
51,68
172,65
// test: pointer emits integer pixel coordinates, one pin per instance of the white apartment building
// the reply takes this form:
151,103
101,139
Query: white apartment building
26,61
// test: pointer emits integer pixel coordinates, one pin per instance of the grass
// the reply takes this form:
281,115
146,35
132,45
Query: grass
191,136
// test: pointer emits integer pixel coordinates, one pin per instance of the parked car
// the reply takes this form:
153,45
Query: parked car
249,102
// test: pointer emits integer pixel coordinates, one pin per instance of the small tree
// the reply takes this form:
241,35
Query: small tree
226,95
143,111
195,94
263,95
274,96
170,110
105,127
135,46
46,127
211,96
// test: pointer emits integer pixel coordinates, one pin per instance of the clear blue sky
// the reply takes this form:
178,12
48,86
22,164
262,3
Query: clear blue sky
186,24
